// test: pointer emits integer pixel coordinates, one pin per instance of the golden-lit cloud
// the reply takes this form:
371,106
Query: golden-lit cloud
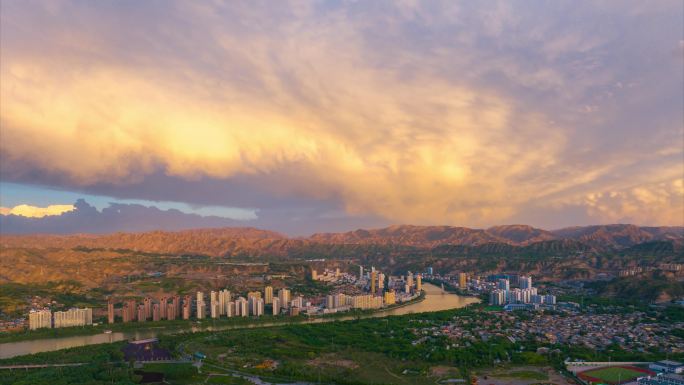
391,169
36,212
657,203
312,103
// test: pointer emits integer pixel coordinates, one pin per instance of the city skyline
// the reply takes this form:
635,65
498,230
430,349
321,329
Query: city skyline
168,306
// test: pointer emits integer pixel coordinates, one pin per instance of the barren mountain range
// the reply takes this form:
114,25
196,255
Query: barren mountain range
102,260
251,241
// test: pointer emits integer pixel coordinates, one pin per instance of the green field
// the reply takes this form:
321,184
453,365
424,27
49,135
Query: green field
614,375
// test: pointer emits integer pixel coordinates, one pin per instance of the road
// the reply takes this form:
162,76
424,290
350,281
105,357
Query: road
39,366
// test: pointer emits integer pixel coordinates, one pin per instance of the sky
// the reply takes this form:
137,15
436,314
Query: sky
306,116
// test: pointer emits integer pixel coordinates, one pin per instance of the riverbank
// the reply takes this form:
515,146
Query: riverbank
29,335
431,300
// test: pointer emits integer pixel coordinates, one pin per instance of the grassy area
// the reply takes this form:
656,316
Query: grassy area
523,375
382,350
227,380
175,373
348,366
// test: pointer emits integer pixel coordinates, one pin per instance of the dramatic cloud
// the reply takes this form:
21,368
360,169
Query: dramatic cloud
660,202
84,218
426,113
36,212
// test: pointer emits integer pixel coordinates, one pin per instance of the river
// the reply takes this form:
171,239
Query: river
434,300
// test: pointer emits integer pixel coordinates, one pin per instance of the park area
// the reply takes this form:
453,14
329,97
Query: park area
521,375
614,375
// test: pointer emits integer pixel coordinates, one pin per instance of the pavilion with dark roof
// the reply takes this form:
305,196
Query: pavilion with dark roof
145,350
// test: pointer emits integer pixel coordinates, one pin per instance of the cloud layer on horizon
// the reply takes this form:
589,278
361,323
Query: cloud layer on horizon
425,113
36,212
131,217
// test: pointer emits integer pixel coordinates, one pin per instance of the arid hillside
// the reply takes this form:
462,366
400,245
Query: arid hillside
563,254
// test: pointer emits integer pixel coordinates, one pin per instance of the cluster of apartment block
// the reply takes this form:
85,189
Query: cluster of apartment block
382,291
170,308
343,302
219,304
45,318
327,275
409,284
525,294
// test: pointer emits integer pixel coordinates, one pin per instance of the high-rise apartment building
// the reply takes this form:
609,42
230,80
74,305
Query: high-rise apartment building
126,313
230,309
171,311
156,312
162,308
268,295
201,310
462,280
241,307
110,311
339,300
214,304
130,310
73,317
187,307
298,302
497,297
373,282
237,307
276,306
40,319
525,282
514,296
390,297
224,299
147,302
504,284
142,317
177,305
284,297
256,306
366,302
419,282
